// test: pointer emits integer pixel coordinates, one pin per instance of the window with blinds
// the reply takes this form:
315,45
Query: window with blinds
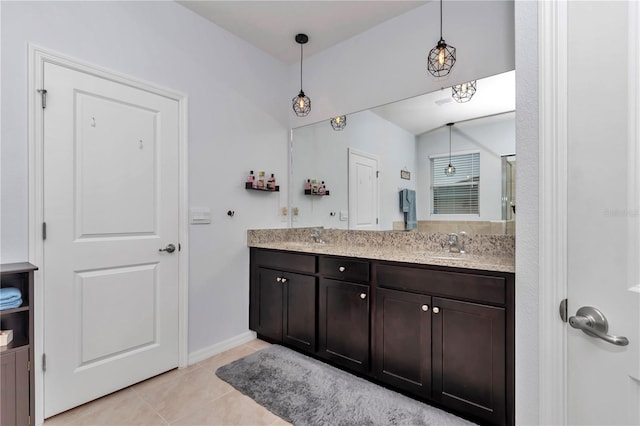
457,194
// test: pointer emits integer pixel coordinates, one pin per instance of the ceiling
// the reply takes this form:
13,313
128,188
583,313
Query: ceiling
272,25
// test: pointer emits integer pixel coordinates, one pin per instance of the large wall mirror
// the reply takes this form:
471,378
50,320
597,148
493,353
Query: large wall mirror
385,170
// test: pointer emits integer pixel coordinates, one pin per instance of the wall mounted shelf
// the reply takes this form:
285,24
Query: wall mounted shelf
308,192
248,185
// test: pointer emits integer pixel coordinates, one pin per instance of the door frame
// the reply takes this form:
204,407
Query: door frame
553,191
37,57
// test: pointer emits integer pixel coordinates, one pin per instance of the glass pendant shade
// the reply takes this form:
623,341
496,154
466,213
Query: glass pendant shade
442,57
464,92
301,103
450,170
339,122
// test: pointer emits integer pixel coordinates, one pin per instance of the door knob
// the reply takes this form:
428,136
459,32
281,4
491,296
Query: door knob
593,322
170,248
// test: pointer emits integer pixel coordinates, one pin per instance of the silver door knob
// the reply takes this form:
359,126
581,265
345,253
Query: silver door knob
341,269
436,310
170,248
363,296
425,308
593,322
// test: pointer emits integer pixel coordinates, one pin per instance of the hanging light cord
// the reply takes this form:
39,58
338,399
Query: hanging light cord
440,19
301,67
449,146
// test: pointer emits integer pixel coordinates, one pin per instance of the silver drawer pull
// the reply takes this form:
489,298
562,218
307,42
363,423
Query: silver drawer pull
342,269
425,308
363,296
436,310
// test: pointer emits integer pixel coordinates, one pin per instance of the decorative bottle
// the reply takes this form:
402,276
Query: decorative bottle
307,185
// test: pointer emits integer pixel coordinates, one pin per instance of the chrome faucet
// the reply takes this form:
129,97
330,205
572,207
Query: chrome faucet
456,242
316,236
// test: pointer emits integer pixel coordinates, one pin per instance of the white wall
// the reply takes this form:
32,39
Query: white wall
321,152
492,137
237,122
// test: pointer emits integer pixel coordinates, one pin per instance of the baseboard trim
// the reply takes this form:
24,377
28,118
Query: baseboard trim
212,350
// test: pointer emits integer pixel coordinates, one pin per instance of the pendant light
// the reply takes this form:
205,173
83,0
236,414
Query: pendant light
339,122
464,92
450,170
301,103
442,57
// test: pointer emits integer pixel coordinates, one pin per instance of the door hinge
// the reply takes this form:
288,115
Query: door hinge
44,362
28,420
43,93
179,247
377,173
564,313
28,365
44,231
376,220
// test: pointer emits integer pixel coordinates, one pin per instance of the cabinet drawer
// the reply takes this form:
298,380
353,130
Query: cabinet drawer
344,269
285,261
481,288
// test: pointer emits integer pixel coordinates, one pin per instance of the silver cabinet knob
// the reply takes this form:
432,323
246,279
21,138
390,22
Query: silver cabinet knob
170,248
284,280
425,308
363,296
436,310
278,279
342,269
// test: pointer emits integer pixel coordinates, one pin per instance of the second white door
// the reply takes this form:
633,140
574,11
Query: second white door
363,191
111,203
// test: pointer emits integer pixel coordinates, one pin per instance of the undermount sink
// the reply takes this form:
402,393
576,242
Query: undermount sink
444,256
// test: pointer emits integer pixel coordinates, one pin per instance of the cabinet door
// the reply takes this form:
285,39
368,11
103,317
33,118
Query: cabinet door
300,311
468,345
344,323
14,388
268,288
403,340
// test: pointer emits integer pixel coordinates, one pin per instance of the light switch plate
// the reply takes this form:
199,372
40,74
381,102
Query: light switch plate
200,215
344,215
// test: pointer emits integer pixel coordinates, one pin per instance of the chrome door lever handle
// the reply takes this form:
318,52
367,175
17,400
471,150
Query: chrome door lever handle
592,322
170,248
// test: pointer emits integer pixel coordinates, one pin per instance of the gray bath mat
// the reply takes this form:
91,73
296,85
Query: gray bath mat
305,391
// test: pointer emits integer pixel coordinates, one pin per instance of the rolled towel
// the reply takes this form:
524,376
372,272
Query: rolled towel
11,304
8,294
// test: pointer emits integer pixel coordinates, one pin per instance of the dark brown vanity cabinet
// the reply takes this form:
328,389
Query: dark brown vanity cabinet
442,334
283,303
16,377
343,323
403,340
344,312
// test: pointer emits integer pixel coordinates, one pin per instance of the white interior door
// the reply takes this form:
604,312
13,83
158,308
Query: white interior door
363,191
111,201
603,211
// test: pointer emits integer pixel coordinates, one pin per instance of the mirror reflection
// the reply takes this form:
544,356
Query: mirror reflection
386,169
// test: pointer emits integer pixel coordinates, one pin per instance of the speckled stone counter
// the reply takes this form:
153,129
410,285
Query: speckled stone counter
484,252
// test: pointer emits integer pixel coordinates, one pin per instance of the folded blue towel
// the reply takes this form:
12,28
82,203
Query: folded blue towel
8,294
10,305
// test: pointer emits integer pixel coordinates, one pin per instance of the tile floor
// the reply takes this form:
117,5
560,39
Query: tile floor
191,396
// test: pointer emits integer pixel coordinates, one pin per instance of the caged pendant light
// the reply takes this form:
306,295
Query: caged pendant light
450,170
464,92
442,57
339,122
301,103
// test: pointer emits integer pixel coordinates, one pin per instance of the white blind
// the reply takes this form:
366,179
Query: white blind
457,194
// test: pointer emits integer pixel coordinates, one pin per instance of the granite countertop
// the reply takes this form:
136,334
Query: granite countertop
485,262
